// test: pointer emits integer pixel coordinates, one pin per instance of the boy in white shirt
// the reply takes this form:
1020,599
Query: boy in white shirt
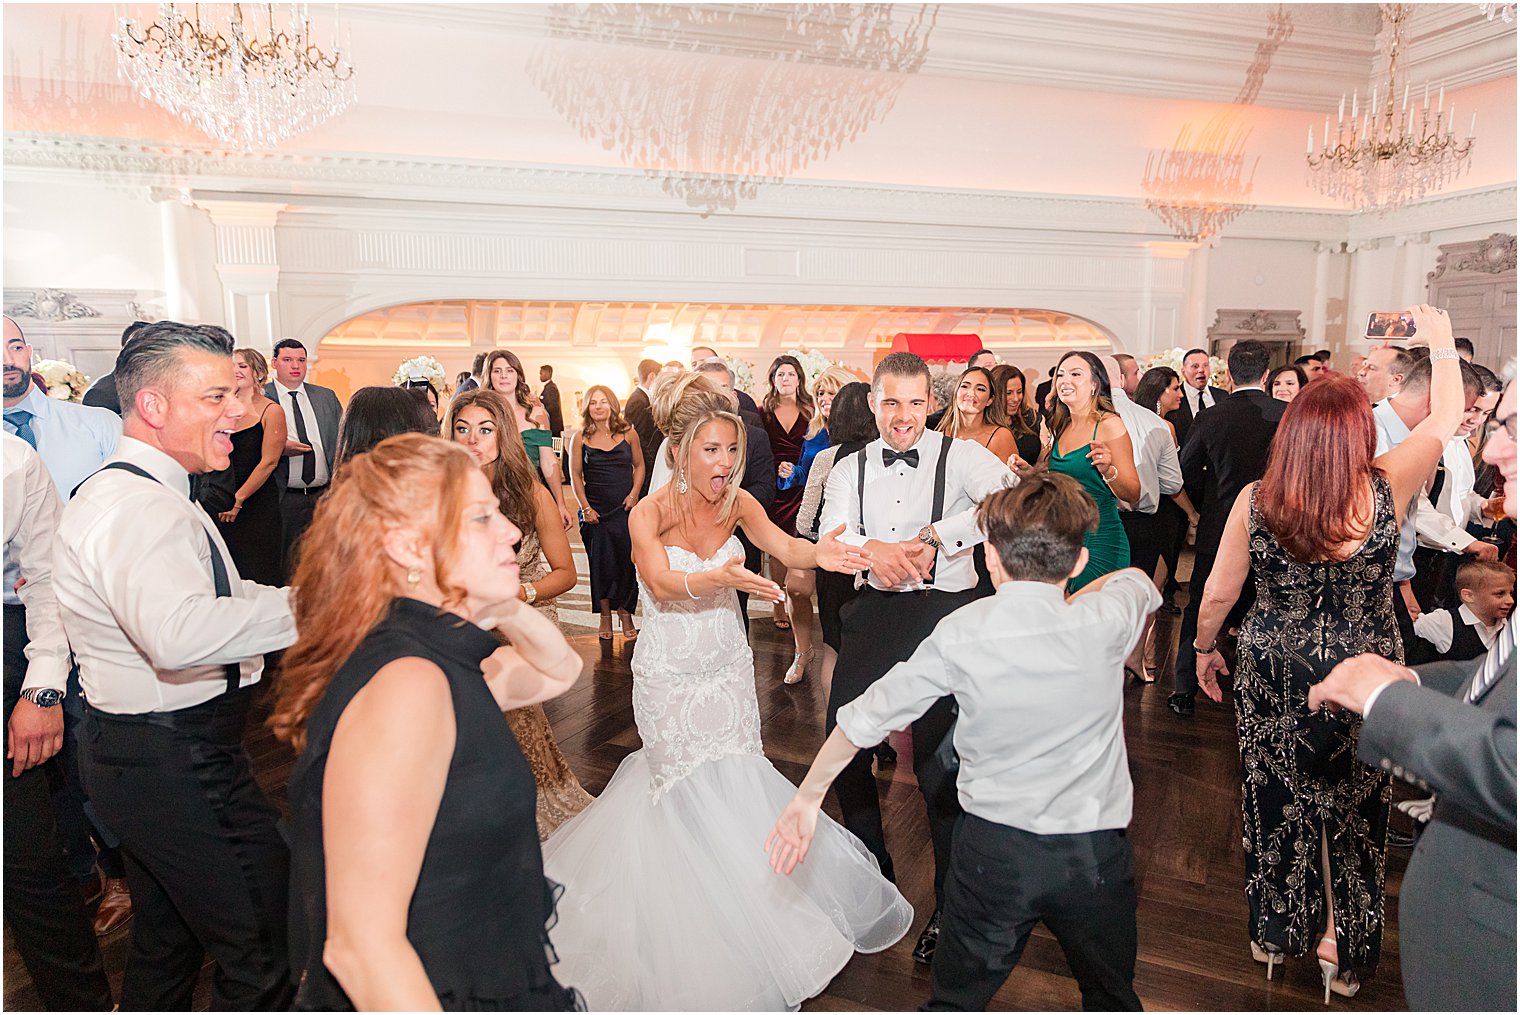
1044,777
1486,589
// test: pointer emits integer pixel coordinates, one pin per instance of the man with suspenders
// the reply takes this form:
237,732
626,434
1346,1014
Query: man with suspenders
170,641
909,497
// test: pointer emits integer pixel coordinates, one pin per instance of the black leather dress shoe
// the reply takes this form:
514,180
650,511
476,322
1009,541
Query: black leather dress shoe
886,754
923,952
1182,704
1169,607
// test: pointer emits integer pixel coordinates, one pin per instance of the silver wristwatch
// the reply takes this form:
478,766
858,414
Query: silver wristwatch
926,535
43,697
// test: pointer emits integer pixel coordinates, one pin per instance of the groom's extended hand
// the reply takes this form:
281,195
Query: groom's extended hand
836,555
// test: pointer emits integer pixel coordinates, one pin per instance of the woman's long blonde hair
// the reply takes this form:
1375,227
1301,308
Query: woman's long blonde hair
830,381
683,404
346,581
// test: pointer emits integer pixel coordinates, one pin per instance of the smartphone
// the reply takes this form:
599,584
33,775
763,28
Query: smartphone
1390,324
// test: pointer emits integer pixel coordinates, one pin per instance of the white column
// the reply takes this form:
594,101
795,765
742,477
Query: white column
248,266
1413,252
1319,306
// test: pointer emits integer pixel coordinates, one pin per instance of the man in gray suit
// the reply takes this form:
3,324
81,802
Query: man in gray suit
1449,727
312,413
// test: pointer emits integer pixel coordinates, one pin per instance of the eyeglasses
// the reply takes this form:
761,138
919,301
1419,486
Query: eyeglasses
1508,423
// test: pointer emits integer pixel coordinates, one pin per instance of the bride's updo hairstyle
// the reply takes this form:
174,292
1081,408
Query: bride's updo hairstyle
682,405
344,581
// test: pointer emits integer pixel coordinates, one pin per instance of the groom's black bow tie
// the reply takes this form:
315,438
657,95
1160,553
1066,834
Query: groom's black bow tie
890,457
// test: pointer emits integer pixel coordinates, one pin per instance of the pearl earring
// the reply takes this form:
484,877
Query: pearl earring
414,576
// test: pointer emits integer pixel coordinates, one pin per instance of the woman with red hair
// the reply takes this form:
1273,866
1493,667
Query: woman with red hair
1319,534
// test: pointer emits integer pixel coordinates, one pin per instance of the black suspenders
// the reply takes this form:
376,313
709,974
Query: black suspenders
935,512
219,578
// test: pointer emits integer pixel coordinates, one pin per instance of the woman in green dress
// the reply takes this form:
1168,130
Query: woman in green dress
1089,444
504,375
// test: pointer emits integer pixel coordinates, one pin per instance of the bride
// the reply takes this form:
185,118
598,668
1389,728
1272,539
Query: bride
669,903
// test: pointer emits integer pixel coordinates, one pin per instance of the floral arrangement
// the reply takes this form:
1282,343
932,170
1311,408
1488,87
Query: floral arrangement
61,380
423,368
1218,371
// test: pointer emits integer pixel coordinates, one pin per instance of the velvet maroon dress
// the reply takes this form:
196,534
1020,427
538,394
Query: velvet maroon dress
786,446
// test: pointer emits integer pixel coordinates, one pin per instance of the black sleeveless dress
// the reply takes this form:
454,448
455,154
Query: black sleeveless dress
480,912
608,476
257,538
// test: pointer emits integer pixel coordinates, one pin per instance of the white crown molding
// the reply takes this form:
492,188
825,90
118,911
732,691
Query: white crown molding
1197,52
429,189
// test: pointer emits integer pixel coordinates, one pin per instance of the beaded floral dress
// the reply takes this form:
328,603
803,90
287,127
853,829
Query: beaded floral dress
670,855
1300,770
560,794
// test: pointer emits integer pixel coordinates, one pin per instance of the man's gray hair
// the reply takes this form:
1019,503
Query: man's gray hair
716,366
152,357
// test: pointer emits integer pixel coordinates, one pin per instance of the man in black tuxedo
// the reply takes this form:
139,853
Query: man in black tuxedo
1218,461
472,382
759,467
550,396
701,354
1197,394
102,394
1451,732
637,411
312,414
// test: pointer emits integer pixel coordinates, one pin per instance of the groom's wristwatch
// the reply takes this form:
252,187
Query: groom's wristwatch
43,697
926,535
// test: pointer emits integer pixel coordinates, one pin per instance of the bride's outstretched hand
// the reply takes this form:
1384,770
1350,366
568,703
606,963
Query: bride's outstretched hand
789,840
837,555
735,575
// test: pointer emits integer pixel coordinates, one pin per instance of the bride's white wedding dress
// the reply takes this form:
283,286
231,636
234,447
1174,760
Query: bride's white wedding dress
669,901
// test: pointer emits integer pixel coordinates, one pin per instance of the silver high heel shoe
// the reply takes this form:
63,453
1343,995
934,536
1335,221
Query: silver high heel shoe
1272,959
1330,974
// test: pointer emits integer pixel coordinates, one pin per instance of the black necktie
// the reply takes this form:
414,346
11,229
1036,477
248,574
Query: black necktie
890,457
309,459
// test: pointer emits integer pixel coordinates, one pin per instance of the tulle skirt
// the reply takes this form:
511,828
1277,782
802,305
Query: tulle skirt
670,903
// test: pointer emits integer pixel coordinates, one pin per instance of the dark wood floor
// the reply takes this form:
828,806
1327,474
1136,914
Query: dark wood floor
1186,834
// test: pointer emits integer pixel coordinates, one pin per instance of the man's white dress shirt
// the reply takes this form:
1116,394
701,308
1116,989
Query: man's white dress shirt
1443,525
900,501
73,441
1155,454
1040,684
32,509
132,571
1195,397
313,436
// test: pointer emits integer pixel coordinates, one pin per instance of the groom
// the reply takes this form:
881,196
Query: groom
919,522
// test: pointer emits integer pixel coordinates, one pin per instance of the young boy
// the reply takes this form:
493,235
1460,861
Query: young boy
1044,778
1486,589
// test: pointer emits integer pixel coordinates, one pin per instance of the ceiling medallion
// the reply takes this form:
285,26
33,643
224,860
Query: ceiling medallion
729,97
1391,152
249,76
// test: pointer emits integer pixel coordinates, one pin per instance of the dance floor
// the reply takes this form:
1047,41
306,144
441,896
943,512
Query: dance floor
1186,834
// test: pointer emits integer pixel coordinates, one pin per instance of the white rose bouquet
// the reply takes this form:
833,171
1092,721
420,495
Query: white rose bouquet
423,368
62,380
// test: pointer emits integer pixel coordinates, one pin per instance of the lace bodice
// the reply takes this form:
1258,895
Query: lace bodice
693,676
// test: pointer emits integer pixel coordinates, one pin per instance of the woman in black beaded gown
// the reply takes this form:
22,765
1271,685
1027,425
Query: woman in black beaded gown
253,529
1319,536
416,877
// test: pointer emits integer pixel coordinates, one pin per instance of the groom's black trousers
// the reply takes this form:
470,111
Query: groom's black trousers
877,631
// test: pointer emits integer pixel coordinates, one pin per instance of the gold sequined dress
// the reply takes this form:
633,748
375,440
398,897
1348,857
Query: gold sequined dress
560,794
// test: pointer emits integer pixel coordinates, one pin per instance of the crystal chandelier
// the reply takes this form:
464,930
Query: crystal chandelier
1391,152
729,97
248,75
1506,12
1199,186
